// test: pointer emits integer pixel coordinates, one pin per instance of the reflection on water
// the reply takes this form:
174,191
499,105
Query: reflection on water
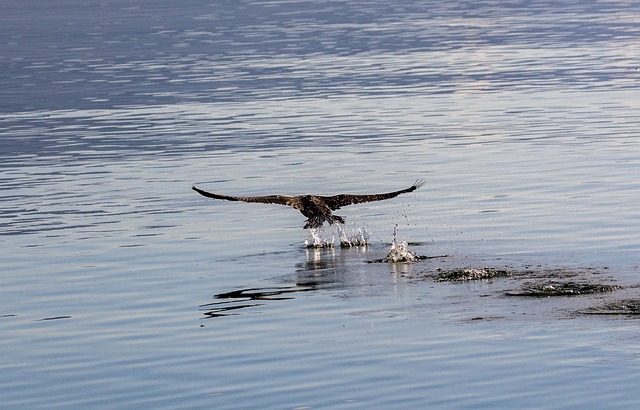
318,259
247,298
322,270
55,318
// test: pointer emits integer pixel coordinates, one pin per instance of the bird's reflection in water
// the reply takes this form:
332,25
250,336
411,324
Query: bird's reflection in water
247,298
322,269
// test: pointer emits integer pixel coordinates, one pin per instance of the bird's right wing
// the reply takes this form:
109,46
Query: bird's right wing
269,199
337,201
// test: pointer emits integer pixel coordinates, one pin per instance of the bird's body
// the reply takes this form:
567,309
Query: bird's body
318,209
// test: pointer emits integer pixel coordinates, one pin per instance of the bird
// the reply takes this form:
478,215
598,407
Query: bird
318,209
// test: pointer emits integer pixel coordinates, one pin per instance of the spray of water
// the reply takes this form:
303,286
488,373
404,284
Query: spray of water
320,239
317,240
357,237
400,251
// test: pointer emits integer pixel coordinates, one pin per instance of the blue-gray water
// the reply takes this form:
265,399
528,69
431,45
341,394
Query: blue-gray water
122,288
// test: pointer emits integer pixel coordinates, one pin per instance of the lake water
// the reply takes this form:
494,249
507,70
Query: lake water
122,288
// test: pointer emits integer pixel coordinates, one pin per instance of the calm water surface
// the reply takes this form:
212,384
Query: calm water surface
121,288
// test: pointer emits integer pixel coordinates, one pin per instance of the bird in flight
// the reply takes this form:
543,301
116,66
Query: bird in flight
318,209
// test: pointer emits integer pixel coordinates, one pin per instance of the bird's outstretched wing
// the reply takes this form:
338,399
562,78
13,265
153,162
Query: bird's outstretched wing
338,201
269,199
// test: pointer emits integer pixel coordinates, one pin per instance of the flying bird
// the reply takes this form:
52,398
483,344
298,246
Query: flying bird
318,209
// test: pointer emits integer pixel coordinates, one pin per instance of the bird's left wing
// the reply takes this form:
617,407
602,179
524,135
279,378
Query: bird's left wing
268,199
338,201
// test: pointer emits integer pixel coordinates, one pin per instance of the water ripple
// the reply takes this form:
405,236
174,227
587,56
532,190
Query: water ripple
521,117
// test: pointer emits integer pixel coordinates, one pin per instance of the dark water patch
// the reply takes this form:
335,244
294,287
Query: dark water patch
531,271
260,293
211,310
534,281
554,288
484,318
405,259
628,307
53,318
323,245
409,243
347,244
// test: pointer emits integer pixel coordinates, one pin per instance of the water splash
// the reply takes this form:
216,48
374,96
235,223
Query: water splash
357,237
400,251
317,240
